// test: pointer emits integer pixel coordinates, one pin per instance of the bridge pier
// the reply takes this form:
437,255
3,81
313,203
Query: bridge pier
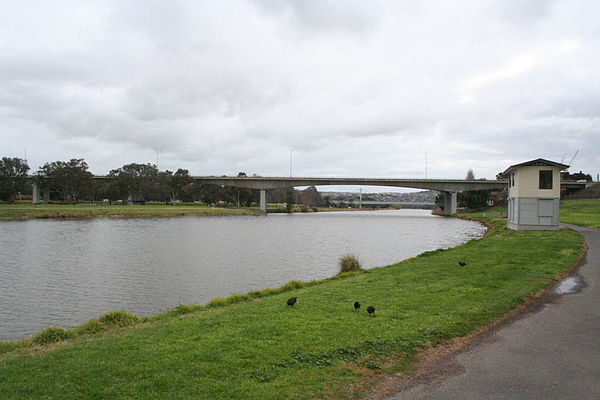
263,200
449,202
36,193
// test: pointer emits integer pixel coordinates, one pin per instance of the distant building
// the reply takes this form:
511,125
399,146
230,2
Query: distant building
534,195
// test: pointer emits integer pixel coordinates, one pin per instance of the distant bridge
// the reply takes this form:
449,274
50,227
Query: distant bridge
447,187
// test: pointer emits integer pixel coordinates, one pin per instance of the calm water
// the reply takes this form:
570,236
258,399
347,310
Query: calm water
62,273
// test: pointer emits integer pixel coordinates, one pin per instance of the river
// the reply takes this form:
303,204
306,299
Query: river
64,272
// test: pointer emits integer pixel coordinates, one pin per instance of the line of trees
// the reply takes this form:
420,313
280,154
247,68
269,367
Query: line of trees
72,182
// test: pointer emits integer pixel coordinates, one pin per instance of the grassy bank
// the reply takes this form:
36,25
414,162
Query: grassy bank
581,212
28,210
254,346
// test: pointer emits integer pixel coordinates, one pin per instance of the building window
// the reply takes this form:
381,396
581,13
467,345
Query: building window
545,179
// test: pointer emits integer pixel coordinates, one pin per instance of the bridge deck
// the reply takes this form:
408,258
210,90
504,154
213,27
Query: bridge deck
446,185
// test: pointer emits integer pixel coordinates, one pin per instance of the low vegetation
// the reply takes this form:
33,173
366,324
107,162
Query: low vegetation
581,212
349,263
254,346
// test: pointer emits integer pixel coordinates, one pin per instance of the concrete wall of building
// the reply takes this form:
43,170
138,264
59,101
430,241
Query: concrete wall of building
527,213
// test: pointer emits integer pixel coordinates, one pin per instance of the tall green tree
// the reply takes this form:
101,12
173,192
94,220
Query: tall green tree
180,181
136,181
474,199
13,172
71,179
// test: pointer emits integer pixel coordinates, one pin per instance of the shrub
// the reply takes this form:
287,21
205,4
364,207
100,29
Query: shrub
90,327
118,318
293,285
52,335
349,263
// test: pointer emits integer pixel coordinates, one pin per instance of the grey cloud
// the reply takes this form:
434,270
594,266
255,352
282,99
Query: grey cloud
354,88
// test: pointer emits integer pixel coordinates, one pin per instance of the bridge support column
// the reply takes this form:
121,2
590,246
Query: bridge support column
263,200
46,195
449,202
36,193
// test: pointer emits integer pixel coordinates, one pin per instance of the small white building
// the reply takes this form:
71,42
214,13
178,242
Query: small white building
534,195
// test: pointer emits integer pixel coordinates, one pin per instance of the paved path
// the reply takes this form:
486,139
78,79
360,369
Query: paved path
550,354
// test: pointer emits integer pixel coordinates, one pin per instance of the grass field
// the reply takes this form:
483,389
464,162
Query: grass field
29,210
256,347
581,212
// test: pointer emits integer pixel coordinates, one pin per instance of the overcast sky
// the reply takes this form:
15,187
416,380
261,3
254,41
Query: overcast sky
354,88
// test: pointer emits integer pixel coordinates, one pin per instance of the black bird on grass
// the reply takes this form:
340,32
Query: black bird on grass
291,301
462,264
356,305
371,310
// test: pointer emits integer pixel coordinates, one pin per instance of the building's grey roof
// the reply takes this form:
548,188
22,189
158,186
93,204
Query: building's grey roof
538,161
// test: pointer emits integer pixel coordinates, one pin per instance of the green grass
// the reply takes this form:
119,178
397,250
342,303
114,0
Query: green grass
28,210
581,212
254,346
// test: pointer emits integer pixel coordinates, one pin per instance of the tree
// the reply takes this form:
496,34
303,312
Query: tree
71,179
470,175
13,172
176,182
105,189
576,176
501,176
289,199
135,181
309,197
474,199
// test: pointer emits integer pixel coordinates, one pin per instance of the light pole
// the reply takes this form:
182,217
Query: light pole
427,152
291,152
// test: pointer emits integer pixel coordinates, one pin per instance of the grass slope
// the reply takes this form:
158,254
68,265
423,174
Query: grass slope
259,348
581,212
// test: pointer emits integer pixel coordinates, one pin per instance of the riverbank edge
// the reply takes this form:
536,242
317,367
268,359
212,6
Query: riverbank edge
156,213
234,299
58,215
120,319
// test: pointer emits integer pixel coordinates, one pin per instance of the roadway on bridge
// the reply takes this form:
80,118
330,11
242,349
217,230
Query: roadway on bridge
550,354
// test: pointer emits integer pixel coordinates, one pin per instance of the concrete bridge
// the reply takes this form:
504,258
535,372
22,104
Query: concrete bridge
447,187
